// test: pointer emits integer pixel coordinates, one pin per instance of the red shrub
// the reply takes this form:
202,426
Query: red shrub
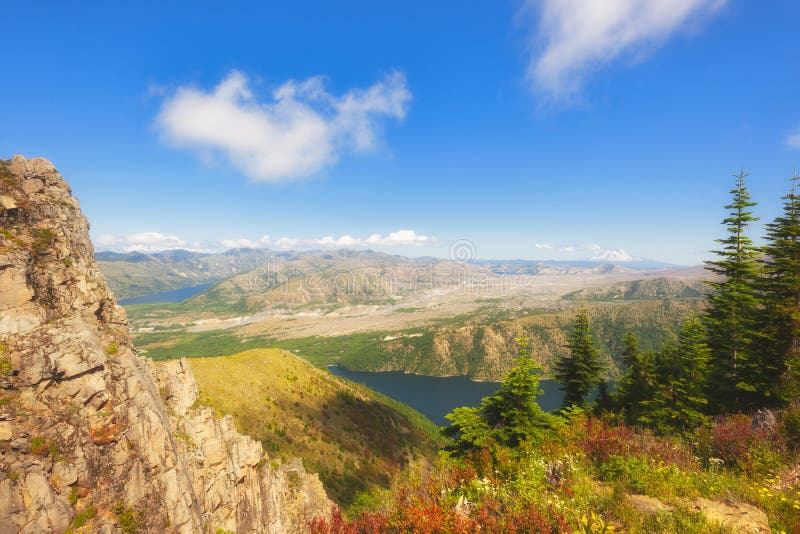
423,507
734,440
731,438
603,440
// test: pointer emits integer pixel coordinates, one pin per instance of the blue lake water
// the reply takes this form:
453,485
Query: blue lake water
175,295
436,396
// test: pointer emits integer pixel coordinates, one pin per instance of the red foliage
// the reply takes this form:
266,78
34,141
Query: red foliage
422,507
431,518
603,440
733,437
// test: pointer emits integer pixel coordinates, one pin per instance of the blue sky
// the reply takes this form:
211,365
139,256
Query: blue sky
584,127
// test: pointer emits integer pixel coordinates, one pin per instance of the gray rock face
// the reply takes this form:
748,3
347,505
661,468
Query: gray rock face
233,479
85,435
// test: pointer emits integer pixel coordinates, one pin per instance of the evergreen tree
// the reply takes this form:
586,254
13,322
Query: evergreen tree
636,385
509,416
605,401
681,369
780,347
732,309
581,369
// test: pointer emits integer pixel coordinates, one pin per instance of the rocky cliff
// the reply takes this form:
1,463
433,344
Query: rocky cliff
91,435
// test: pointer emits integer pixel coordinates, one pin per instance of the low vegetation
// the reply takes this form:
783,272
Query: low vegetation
171,345
354,438
509,467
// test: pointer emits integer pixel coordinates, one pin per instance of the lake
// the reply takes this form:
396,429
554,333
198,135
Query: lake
175,295
436,396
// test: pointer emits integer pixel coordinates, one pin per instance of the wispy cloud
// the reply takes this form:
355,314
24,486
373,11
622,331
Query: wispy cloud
558,248
143,242
156,242
573,38
401,238
243,242
299,131
793,139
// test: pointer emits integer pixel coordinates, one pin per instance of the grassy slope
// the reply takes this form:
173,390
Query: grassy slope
354,438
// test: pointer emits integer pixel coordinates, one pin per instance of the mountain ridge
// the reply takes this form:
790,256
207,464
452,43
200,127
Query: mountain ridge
148,273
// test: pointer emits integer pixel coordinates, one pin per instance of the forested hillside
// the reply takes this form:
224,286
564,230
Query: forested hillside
485,348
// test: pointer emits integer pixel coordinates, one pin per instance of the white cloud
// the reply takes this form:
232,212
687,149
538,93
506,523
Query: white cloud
401,238
243,242
299,131
793,139
142,242
575,37
552,246
157,242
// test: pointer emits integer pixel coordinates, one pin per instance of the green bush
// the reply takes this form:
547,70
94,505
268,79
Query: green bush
5,361
38,445
628,470
6,367
762,459
790,425
127,518
44,240
83,517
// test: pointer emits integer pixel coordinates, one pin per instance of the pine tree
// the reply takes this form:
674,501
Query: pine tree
509,416
637,384
679,400
733,308
780,347
581,369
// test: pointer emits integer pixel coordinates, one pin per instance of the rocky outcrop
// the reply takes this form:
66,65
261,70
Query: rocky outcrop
85,437
232,478
737,517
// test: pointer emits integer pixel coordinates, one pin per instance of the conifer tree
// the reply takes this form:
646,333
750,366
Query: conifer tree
636,385
733,307
509,416
678,402
581,369
780,347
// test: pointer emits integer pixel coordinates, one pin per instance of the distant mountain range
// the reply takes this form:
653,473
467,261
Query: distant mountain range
637,265
134,274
